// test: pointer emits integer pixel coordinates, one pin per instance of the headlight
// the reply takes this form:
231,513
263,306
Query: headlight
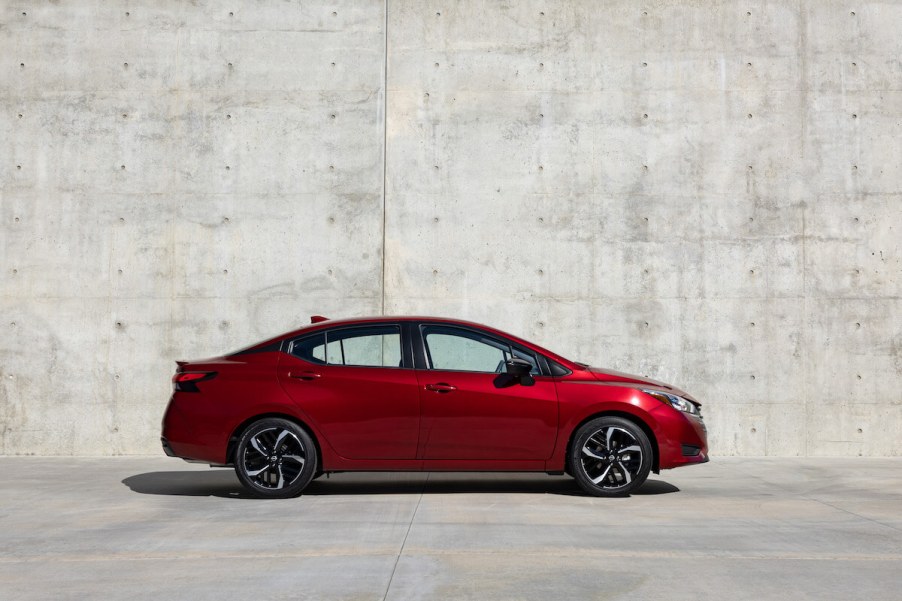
677,402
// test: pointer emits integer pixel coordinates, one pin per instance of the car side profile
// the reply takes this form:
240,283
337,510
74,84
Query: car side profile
423,394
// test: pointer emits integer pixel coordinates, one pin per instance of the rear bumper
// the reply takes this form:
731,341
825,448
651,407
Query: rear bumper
167,448
189,432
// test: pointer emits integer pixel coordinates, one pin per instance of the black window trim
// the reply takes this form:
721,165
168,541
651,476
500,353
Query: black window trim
403,333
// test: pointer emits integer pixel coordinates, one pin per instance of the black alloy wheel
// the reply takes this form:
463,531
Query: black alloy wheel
610,456
275,458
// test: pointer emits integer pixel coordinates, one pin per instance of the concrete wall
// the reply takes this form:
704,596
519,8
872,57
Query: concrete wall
703,192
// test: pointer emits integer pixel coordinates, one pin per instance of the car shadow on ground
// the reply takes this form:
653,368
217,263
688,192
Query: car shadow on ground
224,483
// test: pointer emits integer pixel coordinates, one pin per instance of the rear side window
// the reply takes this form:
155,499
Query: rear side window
312,349
374,346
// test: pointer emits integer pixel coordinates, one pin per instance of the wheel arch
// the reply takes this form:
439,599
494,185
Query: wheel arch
239,430
655,451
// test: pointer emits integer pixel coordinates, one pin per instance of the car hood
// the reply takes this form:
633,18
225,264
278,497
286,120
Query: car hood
610,375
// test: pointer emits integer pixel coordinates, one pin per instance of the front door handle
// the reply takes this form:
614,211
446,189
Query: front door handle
440,387
304,375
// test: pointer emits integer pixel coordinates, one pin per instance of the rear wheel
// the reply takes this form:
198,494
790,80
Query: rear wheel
610,456
275,458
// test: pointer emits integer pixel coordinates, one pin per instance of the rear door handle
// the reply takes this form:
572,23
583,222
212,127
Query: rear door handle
304,375
440,387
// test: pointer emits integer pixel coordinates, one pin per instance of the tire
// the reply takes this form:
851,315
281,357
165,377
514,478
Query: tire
275,459
610,456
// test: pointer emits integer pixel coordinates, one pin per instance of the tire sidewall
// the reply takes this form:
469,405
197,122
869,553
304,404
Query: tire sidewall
306,475
580,437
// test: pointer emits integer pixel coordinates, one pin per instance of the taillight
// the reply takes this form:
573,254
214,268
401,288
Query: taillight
186,381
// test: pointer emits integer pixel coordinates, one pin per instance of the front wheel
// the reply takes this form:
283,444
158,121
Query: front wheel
275,458
610,456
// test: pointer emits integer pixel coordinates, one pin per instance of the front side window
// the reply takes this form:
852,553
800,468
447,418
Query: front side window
374,346
454,349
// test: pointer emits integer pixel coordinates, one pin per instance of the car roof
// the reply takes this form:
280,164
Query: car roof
350,321
353,321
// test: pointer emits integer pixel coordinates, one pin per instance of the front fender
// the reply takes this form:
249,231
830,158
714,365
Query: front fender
581,400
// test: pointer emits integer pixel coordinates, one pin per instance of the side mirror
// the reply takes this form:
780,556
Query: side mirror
518,370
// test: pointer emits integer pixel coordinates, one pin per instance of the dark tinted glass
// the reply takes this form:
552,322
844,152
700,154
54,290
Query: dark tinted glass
312,348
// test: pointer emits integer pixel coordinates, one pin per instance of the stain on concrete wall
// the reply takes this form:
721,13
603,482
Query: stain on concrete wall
703,192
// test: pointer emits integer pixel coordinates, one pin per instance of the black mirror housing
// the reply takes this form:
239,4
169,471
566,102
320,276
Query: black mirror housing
518,369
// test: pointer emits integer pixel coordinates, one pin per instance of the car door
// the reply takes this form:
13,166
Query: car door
470,408
359,387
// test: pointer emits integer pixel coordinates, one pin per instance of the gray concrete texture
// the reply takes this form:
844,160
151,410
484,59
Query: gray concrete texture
743,529
707,193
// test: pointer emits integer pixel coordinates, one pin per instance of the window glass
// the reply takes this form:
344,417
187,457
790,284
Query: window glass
527,356
453,349
378,346
312,349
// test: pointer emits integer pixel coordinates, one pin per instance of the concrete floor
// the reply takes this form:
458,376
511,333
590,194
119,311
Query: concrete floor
158,528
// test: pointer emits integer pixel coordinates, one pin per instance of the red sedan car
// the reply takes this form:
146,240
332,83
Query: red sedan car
423,394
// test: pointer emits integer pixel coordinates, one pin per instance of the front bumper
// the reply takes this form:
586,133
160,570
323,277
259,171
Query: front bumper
686,442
